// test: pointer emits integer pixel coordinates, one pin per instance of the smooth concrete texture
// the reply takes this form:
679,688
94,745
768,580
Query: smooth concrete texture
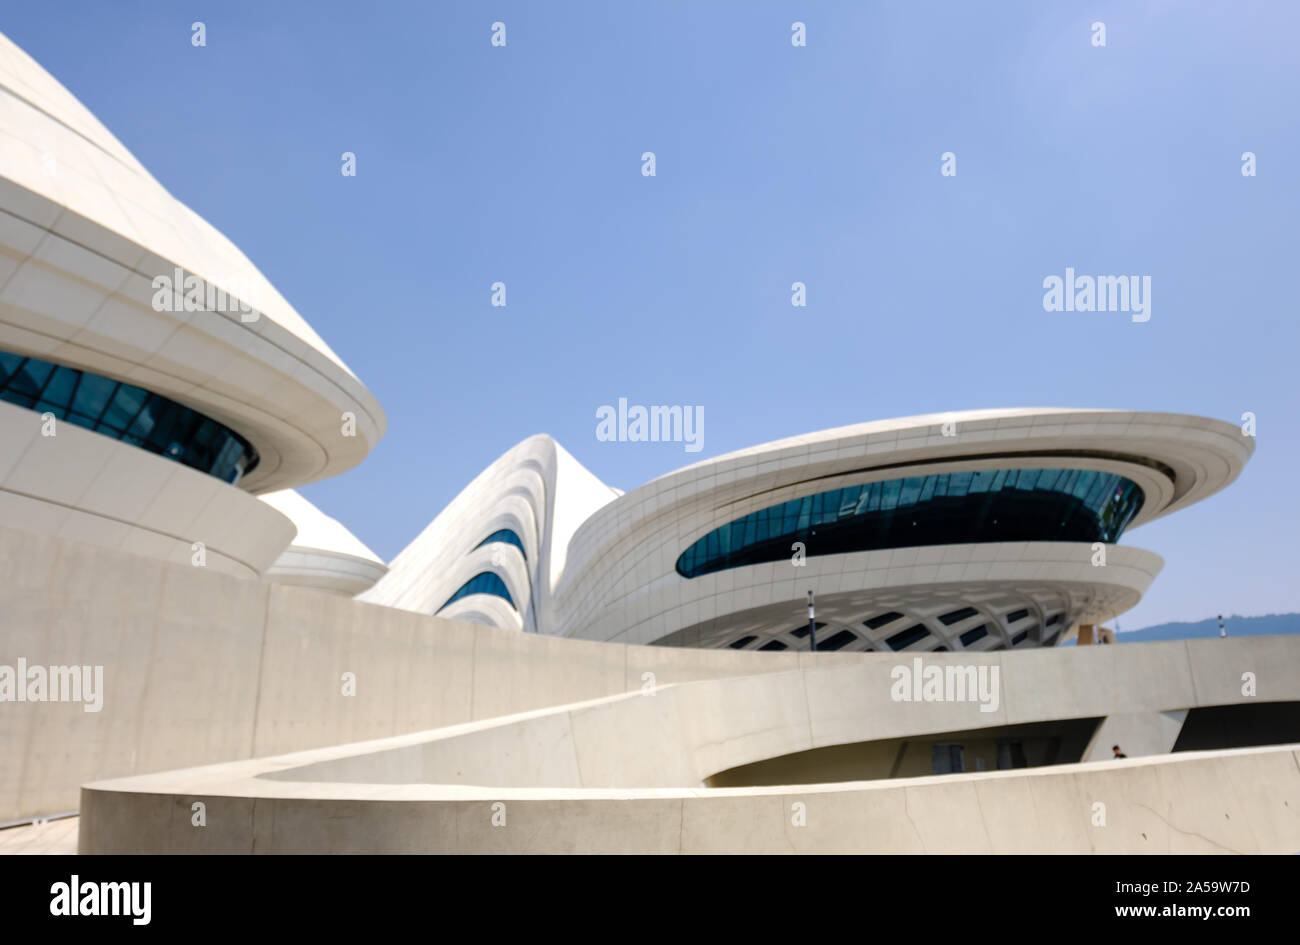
49,838
627,773
1242,801
1136,733
1060,741
84,486
681,735
202,667
324,554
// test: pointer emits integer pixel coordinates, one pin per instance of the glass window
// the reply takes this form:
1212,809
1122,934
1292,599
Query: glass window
31,377
125,405
802,631
901,641
995,505
126,413
61,384
142,426
9,365
485,582
92,395
947,759
957,616
507,536
837,642
875,623
1011,754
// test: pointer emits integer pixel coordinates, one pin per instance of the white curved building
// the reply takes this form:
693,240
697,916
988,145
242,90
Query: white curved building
496,554
151,379
982,530
324,554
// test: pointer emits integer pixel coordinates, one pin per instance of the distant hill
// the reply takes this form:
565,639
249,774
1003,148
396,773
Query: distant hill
1237,627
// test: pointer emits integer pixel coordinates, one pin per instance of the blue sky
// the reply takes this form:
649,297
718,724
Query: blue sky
774,164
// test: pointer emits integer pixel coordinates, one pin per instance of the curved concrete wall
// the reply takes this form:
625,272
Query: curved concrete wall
1196,802
201,667
82,485
680,735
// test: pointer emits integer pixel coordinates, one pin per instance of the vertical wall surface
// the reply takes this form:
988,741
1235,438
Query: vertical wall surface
200,667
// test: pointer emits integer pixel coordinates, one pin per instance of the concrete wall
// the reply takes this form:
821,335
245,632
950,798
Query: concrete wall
1042,743
201,667
1241,801
84,486
684,734
1136,734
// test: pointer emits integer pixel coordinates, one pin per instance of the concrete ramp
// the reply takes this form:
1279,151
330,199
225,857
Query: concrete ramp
625,774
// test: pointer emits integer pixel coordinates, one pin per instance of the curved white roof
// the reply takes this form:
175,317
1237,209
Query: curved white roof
325,555
1204,455
600,565
84,231
535,489
316,529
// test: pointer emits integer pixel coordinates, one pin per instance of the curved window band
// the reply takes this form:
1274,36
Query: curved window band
127,413
506,536
995,505
485,582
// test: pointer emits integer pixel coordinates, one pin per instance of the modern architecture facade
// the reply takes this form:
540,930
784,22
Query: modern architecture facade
981,530
623,672
152,381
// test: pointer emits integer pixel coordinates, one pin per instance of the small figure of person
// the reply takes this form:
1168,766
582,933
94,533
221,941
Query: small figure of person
1118,753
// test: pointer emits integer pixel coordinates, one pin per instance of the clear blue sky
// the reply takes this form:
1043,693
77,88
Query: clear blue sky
775,164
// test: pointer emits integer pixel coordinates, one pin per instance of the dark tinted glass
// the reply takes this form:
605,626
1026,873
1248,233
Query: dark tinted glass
875,623
1077,505
126,413
803,631
487,582
837,642
907,637
504,535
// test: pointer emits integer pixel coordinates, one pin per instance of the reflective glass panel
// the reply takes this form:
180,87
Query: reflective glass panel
995,505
